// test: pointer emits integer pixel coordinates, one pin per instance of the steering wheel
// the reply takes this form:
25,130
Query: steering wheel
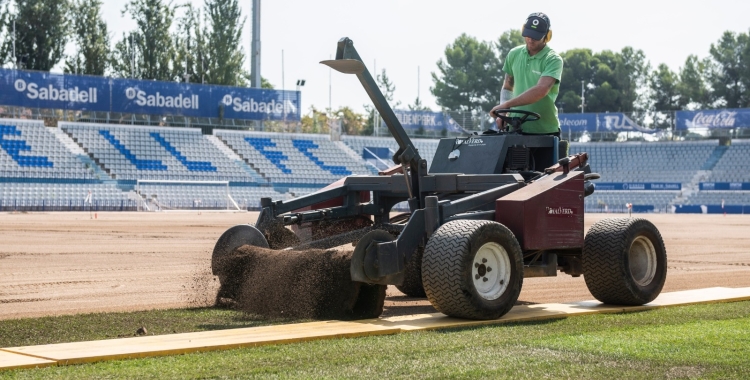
516,122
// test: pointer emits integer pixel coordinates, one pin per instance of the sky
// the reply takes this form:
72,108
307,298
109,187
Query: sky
408,37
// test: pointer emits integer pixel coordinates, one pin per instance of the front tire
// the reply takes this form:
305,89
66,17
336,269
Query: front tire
473,269
624,261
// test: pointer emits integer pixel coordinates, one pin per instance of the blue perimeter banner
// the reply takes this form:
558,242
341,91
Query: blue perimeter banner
430,121
724,186
634,186
577,122
712,119
599,122
88,93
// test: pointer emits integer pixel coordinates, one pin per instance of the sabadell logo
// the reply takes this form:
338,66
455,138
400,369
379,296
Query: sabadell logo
50,92
142,98
240,105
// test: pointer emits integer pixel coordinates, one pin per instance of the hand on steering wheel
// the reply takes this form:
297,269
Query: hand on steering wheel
527,115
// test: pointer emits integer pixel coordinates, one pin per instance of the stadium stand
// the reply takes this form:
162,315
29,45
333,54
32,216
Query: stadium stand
133,152
292,158
83,166
30,150
646,162
733,165
359,144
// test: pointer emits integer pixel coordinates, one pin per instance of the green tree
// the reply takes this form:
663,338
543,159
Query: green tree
693,86
191,58
469,76
664,85
508,40
315,122
41,32
729,73
352,123
126,56
91,39
388,89
418,106
631,74
4,34
151,45
577,66
224,42
611,80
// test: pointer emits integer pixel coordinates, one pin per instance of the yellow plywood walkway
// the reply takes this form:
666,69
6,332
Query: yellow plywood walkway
148,346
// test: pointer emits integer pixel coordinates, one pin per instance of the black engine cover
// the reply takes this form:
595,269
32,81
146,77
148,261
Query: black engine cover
486,154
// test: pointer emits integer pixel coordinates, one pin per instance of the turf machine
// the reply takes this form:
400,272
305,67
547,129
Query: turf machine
492,209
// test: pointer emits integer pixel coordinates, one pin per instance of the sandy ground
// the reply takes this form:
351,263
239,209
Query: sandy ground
67,263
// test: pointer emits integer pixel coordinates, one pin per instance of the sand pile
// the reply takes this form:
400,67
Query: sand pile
313,284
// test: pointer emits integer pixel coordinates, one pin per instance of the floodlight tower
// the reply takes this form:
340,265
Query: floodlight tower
255,48
255,80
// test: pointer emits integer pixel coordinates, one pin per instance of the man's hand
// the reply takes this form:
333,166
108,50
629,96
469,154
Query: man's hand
532,95
500,124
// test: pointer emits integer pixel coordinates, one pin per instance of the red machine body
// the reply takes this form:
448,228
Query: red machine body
547,213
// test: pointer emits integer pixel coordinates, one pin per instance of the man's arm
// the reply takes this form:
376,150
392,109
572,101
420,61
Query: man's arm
507,92
529,96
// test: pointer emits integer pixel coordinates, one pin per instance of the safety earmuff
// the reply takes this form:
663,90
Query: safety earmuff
547,37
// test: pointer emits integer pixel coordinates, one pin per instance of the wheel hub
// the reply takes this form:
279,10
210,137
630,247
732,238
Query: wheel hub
491,271
642,261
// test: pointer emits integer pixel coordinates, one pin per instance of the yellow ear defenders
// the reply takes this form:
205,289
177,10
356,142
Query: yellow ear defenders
547,37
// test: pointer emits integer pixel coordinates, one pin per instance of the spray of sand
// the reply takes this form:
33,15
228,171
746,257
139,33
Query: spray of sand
309,284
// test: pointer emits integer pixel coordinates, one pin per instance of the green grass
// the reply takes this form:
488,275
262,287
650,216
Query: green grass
83,327
702,341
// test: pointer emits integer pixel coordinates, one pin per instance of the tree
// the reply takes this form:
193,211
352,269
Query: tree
631,74
665,92
613,81
224,42
91,39
352,123
4,34
577,67
191,61
418,106
316,122
126,56
507,41
41,33
729,73
693,86
469,76
151,45
388,89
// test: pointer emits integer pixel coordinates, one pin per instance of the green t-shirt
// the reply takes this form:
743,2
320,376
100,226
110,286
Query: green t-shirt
526,71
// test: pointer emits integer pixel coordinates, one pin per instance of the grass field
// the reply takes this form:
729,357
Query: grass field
702,341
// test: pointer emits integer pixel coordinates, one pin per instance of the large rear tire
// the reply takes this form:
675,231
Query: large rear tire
624,261
472,269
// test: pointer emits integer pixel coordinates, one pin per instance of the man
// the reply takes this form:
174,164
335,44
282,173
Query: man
532,80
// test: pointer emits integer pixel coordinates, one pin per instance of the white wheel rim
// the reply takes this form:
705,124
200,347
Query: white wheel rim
642,261
490,271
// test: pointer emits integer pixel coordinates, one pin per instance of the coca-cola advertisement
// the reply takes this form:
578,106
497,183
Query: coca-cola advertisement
712,119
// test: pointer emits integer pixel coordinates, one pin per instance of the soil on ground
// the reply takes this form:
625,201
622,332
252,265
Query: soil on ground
68,263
